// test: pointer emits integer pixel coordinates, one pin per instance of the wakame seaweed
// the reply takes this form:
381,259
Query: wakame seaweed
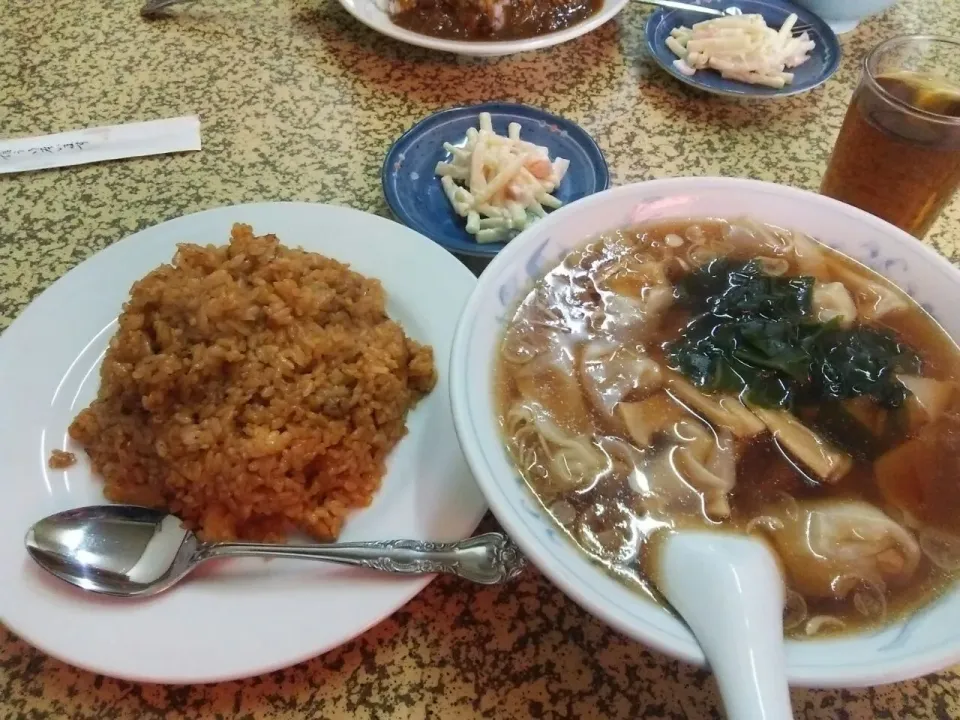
838,425
753,334
862,361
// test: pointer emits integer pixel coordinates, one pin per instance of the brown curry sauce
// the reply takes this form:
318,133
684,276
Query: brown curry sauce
463,20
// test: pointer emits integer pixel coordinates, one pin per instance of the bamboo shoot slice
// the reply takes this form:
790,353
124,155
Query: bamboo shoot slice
724,411
827,463
644,419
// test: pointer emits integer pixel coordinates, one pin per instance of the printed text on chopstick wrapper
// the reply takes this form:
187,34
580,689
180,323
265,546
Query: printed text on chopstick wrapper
43,149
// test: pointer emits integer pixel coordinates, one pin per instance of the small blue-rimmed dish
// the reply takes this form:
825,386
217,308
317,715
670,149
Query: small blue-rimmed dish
824,58
415,195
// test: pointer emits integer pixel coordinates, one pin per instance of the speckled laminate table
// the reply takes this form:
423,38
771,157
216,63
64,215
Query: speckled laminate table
299,102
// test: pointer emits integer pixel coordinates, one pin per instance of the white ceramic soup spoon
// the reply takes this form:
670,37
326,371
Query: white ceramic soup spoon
729,590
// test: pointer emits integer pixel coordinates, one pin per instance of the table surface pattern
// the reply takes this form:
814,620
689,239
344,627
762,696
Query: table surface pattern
300,102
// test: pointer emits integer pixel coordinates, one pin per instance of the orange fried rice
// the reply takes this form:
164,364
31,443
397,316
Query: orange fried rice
252,390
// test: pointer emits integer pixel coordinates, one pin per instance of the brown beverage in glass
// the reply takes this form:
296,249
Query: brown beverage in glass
898,153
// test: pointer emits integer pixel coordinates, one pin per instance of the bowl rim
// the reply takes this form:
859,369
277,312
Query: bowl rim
558,570
824,8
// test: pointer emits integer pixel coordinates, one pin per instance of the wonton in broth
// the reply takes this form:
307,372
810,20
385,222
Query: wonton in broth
739,376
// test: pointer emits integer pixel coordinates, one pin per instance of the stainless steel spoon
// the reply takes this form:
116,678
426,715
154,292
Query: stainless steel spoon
674,5
798,29
133,551
155,8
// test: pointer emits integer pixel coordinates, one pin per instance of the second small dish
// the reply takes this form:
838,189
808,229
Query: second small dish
823,62
414,192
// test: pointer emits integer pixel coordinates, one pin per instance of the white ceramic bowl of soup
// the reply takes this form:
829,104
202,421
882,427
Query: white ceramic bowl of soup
372,14
924,642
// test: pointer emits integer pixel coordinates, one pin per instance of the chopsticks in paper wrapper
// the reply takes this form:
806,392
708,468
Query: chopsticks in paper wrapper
112,142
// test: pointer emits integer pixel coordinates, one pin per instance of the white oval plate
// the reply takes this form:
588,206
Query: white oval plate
371,15
924,642
249,616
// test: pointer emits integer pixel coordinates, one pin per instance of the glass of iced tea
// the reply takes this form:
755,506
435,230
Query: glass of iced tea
898,153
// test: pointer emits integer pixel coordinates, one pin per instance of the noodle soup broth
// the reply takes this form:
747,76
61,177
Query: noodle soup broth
741,377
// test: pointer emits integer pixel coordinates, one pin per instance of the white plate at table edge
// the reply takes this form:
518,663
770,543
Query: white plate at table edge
287,611
371,15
